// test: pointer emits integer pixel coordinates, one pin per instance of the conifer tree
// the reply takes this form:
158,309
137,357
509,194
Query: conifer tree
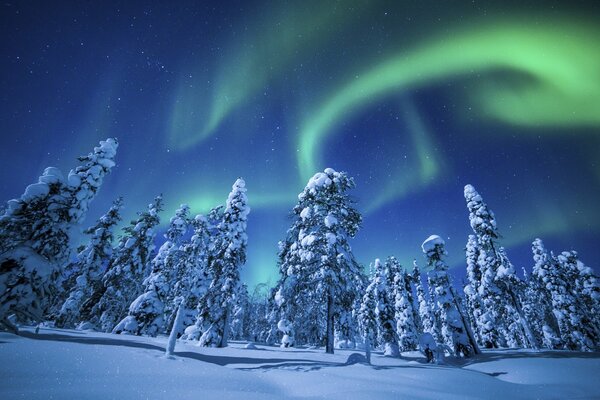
122,282
367,316
316,262
146,312
384,274
455,330
226,259
36,231
91,264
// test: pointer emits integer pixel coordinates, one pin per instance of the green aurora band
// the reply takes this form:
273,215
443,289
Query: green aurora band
561,60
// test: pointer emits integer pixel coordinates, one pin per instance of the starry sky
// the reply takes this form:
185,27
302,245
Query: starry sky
413,99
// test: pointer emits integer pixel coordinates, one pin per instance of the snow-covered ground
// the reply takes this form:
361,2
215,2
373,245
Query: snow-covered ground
66,364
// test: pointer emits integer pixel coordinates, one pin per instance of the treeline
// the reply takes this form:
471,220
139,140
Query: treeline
190,288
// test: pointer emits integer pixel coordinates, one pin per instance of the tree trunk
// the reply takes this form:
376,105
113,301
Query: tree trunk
368,346
466,324
225,336
329,343
524,324
174,331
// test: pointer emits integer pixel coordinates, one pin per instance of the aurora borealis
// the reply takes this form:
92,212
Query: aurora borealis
413,99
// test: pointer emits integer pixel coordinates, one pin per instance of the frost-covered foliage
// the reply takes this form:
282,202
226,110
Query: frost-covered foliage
497,304
147,312
36,232
240,313
425,314
367,316
319,276
228,255
454,326
122,282
561,276
91,264
194,278
384,276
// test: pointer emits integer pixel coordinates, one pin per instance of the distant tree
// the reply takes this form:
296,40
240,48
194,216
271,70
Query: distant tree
427,318
316,262
91,264
228,256
147,312
406,329
383,278
455,329
502,320
367,316
36,232
122,282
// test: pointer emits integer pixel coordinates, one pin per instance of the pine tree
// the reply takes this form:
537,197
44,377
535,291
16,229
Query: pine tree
557,279
316,262
455,329
91,264
36,231
367,316
229,255
427,319
122,282
147,312
385,306
502,320
405,327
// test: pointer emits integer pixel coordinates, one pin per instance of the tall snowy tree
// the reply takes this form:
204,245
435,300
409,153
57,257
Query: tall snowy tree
472,289
455,329
147,312
122,282
91,264
384,296
427,318
367,316
398,289
225,262
316,262
36,231
502,320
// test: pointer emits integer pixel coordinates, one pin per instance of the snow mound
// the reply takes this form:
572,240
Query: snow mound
430,243
251,346
356,358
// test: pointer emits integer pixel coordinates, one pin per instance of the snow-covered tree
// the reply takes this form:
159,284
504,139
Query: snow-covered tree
384,276
502,320
367,316
228,256
455,330
317,266
427,318
472,288
91,264
147,312
36,232
123,280
240,311
399,296
558,279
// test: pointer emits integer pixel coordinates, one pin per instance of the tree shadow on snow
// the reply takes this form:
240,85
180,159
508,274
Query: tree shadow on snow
221,360
497,355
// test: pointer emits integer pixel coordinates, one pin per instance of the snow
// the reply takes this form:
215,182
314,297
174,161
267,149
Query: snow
35,190
330,220
430,243
82,364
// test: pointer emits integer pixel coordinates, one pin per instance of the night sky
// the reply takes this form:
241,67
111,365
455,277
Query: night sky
412,99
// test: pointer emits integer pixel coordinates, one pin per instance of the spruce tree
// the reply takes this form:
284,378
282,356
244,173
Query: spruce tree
316,262
228,257
122,282
455,329
36,232
91,265
147,312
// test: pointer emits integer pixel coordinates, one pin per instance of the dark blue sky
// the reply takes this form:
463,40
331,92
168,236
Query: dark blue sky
414,100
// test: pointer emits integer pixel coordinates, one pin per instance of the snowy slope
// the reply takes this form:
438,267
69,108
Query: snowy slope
64,364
